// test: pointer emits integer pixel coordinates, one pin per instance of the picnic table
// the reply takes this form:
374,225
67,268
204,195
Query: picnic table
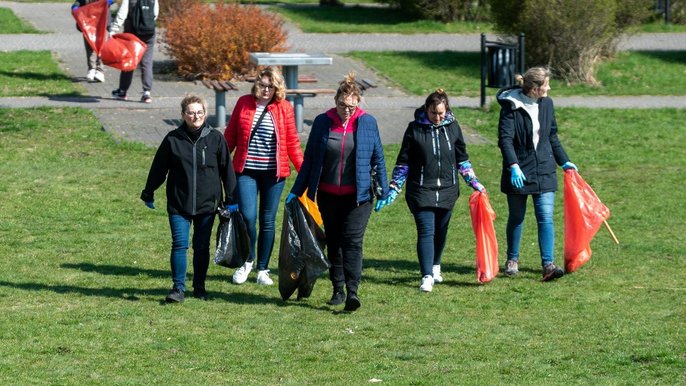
290,61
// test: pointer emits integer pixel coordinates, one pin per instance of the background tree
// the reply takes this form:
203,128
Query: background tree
569,36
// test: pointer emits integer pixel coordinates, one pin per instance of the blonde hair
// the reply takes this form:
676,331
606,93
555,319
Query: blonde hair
532,78
436,98
274,75
348,87
190,99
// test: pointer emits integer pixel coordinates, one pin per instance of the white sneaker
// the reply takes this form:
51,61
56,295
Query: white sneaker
437,274
99,76
263,278
241,274
90,76
427,284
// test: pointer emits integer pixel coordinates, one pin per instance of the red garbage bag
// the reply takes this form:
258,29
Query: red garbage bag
483,216
92,22
584,214
123,51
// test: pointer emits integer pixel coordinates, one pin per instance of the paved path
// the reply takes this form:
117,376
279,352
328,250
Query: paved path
132,120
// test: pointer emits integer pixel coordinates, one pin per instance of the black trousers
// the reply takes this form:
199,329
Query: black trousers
344,223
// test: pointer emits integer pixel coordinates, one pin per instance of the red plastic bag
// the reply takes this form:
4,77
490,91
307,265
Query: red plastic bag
483,216
584,213
92,21
123,51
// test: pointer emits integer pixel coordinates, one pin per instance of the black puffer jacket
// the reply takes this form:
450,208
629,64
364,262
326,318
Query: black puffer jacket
196,173
515,139
432,153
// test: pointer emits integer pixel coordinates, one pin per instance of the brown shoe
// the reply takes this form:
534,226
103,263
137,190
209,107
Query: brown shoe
551,272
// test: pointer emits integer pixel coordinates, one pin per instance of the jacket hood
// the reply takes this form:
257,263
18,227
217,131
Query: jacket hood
515,97
421,118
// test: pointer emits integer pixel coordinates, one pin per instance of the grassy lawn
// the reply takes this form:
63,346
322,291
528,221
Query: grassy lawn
630,73
10,24
369,20
31,73
87,268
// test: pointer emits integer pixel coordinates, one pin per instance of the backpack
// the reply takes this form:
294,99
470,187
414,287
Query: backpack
143,17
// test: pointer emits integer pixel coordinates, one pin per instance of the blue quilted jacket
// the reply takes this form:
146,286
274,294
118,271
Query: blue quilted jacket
368,153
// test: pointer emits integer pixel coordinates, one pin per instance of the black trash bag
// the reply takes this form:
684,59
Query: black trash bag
301,252
233,242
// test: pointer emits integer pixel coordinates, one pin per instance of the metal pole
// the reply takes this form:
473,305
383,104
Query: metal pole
220,109
522,56
483,70
668,9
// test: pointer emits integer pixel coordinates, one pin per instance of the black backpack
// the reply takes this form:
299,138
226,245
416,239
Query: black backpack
143,17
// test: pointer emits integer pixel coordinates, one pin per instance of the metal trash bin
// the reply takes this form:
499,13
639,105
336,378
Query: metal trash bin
500,62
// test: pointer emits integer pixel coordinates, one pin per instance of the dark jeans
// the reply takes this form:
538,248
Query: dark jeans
180,231
269,189
344,223
145,66
432,229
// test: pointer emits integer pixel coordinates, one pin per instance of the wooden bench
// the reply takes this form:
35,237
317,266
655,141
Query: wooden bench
298,96
365,84
220,87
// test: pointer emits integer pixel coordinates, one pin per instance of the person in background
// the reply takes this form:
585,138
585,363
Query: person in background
531,150
195,161
95,70
342,149
263,135
432,153
123,23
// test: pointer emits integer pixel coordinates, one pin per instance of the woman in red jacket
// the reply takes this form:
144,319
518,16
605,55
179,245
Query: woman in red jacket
262,132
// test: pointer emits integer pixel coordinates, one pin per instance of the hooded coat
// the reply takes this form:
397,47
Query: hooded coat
433,153
516,143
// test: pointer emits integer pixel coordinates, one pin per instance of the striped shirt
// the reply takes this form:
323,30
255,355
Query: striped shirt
262,146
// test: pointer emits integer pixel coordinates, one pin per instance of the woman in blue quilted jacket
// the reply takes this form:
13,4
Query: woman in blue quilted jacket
343,148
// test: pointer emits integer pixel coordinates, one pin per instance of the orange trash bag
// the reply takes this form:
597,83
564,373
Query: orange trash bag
584,214
123,51
483,216
312,208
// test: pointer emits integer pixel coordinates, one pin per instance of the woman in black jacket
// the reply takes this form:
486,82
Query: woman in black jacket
432,153
195,161
527,137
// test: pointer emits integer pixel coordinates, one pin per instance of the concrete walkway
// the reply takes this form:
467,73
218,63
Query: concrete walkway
135,121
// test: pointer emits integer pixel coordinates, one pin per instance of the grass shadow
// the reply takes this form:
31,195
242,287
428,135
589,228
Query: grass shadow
675,57
355,15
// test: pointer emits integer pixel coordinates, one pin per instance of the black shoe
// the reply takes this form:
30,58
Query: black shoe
200,293
119,94
337,298
352,302
551,272
175,296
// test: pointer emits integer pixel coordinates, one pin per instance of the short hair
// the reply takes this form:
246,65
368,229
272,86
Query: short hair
190,99
436,98
275,76
532,78
348,87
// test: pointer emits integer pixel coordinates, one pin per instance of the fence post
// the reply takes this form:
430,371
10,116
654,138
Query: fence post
483,70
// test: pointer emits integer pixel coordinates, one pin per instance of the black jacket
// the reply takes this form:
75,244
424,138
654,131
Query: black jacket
432,154
196,173
515,139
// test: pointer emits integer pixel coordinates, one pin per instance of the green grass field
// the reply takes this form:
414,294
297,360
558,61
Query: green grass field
87,269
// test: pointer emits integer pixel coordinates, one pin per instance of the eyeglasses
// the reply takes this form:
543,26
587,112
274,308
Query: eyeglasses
266,86
342,105
198,114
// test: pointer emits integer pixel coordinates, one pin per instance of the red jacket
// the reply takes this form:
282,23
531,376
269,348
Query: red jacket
238,129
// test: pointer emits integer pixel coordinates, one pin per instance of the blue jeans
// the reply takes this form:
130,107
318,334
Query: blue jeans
269,189
544,204
432,230
180,230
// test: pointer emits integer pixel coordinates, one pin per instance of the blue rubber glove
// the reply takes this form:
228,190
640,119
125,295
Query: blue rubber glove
150,204
290,197
233,208
380,204
517,178
74,7
109,2
568,165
